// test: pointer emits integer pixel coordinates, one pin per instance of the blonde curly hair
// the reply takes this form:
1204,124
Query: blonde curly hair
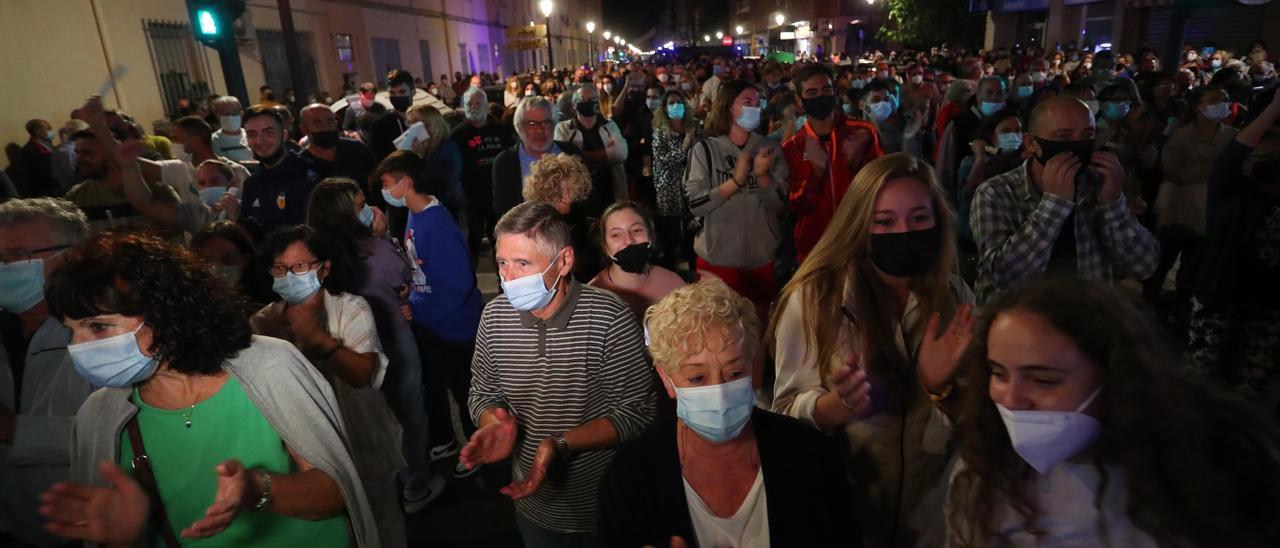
552,175
677,325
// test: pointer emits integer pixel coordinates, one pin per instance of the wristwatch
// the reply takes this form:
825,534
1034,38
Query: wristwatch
264,498
561,443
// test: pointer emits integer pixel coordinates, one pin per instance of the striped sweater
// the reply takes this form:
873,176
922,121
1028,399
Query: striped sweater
586,361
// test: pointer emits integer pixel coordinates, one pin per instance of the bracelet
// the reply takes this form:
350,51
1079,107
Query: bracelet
735,182
264,498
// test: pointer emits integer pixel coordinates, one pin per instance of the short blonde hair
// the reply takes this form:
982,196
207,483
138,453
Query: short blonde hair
552,175
678,324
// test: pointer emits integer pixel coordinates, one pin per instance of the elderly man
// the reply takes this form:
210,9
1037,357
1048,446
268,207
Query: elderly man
40,391
480,140
332,155
535,118
559,379
1062,213
229,141
604,149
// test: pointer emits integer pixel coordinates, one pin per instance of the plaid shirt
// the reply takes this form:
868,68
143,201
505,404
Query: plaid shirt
1015,226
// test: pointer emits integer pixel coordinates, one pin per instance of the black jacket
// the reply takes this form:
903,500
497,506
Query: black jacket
642,500
507,182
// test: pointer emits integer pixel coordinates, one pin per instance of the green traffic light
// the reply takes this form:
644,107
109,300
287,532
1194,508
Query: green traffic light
206,22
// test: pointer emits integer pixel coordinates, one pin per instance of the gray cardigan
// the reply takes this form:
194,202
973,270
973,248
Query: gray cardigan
295,399
741,231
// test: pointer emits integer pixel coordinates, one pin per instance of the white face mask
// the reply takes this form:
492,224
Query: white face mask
229,123
1217,111
1046,438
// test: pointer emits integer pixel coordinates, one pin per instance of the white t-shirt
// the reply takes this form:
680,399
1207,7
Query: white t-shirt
746,528
231,147
709,89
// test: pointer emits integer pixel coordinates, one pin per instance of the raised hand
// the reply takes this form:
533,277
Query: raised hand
742,168
235,491
940,350
111,515
854,147
307,321
762,162
816,155
491,443
1108,165
1060,175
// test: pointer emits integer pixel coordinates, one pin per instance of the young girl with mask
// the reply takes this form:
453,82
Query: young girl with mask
737,184
877,312
722,472
997,150
626,237
1080,432
336,331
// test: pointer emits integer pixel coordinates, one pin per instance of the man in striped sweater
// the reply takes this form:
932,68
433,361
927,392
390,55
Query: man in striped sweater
559,379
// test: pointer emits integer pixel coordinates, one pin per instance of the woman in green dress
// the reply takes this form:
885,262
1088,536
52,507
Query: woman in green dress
242,438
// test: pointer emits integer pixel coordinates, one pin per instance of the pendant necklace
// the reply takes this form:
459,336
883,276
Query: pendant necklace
190,409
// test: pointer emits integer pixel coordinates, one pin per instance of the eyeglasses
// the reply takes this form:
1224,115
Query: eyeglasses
25,255
278,270
530,124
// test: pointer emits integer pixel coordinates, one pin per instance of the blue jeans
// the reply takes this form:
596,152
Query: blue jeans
402,386
537,536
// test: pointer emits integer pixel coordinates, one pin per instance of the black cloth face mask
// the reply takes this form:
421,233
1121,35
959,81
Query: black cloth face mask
906,254
588,108
818,108
633,258
401,102
325,139
1082,149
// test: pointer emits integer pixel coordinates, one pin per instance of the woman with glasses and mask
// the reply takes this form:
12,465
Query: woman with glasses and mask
233,438
867,337
721,472
336,331
626,237
1080,432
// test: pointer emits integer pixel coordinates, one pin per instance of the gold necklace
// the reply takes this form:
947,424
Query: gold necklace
186,414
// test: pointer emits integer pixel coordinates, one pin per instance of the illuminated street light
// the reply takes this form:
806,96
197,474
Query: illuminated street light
779,18
706,38
607,35
591,27
719,35
545,7
737,29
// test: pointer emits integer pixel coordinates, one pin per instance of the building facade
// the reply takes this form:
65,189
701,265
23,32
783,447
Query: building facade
67,46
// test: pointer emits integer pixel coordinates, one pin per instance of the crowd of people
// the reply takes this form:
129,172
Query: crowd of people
919,298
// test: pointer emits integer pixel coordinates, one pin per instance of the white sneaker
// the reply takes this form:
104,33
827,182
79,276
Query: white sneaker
443,451
415,502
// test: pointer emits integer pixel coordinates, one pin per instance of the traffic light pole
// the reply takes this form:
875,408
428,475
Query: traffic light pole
232,73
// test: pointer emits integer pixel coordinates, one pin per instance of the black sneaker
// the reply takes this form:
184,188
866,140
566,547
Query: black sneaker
415,502
461,471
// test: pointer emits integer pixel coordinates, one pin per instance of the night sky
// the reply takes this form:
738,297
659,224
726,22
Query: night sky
632,18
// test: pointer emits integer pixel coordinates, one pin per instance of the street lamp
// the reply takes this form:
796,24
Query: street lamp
706,38
545,7
779,18
737,29
607,35
591,28
719,35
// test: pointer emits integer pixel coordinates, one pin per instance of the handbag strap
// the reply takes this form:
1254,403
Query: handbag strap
142,471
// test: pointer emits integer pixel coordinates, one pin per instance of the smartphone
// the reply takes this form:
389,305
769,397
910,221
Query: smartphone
416,131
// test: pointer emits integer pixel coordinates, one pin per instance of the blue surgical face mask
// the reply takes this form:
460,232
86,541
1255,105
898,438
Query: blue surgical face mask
800,120
675,111
879,112
295,288
1115,110
528,292
391,199
21,285
764,103
988,108
749,118
115,361
1025,91
717,413
211,194
1009,142
847,108
366,216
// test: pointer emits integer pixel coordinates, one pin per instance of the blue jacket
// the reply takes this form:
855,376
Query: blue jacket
443,295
